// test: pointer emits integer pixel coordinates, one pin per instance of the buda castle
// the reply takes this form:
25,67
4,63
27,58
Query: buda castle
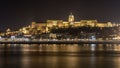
70,23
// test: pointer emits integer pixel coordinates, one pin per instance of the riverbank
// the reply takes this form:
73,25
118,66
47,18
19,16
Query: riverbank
63,42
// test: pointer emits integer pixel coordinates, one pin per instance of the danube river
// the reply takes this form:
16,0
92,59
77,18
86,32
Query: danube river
59,55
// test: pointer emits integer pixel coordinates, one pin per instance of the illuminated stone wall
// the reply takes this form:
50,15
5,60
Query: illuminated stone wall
66,24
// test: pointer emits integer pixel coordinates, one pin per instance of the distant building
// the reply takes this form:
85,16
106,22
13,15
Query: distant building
39,26
71,22
45,27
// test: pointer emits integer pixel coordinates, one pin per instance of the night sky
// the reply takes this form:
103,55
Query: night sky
20,13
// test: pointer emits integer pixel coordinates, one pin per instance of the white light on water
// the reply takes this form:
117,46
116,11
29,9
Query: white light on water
93,47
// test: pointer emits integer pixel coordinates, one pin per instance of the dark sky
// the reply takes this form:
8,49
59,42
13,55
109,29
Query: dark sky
19,13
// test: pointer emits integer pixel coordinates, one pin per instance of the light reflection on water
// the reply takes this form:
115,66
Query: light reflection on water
60,56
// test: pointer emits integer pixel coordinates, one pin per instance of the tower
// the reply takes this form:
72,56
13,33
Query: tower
71,18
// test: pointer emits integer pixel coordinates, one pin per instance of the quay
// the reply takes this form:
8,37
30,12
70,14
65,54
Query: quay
63,42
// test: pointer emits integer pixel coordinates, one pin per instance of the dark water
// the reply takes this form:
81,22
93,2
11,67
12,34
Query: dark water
60,56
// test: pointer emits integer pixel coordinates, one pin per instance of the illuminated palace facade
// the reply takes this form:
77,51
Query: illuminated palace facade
45,27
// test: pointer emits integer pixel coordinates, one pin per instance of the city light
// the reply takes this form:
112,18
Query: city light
71,30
